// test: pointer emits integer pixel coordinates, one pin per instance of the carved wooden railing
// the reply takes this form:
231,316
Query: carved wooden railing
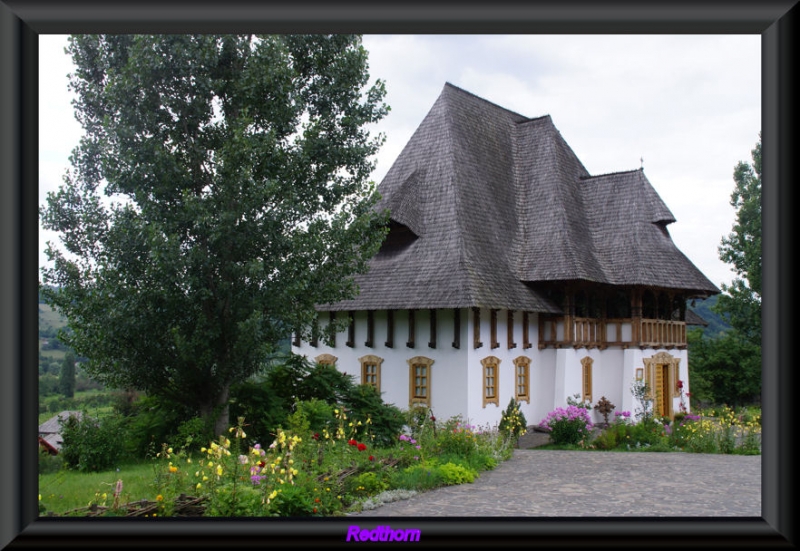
562,331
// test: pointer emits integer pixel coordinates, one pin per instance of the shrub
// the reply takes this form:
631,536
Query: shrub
91,445
513,422
453,473
420,477
454,437
49,463
567,426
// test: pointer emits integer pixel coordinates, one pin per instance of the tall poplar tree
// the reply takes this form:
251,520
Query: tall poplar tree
220,191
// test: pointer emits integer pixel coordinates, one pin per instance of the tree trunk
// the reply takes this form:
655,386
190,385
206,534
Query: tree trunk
218,412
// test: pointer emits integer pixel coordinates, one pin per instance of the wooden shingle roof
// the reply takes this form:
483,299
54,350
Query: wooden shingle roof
491,202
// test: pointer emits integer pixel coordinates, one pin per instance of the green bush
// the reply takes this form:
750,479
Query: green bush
512,421
453,473
91,445
420,477
49,463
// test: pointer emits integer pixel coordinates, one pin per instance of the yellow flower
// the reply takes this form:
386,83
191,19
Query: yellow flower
169,450
159,497
173,469
199,486
274,494
219,470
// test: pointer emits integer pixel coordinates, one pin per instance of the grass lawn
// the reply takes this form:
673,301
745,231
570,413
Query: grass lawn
64,490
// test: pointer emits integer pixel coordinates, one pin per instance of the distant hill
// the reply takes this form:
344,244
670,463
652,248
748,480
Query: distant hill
716,323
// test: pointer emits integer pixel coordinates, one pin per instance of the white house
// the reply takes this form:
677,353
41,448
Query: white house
510,271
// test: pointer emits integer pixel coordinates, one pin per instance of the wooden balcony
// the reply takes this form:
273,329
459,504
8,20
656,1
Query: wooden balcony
575,332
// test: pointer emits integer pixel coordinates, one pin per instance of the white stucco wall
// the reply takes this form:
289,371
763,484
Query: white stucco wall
456,376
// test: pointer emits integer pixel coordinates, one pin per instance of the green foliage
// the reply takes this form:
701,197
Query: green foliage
513,422
641,393
311,416
220,192
456,438
296,380
66,377
742,249
420,477
453,473
49,464
724,370
727,369
91,445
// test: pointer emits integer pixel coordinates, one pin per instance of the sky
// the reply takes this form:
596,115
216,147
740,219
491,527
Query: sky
686,108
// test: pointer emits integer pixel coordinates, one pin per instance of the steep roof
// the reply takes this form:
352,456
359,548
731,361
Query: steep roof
485,203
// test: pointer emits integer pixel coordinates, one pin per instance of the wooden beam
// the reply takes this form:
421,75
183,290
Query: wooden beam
510,329
370,329
432,317
389,329
411,329
456,327
493,326
351,330
476,328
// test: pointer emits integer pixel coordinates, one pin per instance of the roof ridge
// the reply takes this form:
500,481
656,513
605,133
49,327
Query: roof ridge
493,104
590,176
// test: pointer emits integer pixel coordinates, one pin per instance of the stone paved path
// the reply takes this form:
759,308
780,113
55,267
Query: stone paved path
554,483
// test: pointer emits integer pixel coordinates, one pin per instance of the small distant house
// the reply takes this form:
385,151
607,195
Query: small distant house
509,271
50,431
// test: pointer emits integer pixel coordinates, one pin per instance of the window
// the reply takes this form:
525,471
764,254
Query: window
522,381
371,371
419,381
491,372
587,379
326,359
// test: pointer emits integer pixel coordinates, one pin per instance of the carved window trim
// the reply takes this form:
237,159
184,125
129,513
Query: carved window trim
491,380
419,389
586,379
326,359
522,379
371,371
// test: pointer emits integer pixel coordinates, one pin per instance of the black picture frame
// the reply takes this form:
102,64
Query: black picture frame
21,22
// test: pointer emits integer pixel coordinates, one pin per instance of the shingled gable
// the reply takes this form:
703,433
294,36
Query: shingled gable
486,203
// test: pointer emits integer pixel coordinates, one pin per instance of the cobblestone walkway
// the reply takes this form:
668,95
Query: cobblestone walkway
553,483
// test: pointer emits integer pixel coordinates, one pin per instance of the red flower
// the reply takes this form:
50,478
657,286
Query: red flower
316,436
433,418
316,500
362,447
372,458
689,394
315,509
352,443
680,383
